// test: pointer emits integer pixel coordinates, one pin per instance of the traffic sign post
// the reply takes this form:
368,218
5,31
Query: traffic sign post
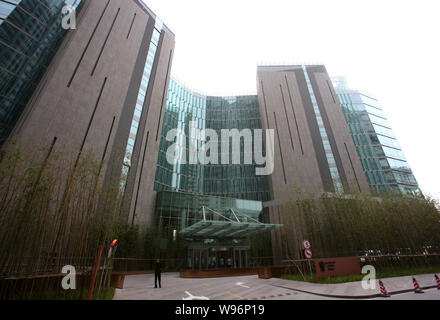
308,254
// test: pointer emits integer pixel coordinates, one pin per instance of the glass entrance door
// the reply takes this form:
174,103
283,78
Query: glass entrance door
240,258
197,259
215,258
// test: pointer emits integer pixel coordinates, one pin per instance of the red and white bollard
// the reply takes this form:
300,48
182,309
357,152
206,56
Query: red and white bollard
383,292
437,279
417,288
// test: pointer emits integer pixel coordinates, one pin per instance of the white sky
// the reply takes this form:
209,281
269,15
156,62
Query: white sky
388,48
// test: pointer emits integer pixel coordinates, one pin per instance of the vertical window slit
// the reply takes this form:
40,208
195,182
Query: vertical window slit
331,92
279,145
352,167
90,122
87,45
140,178
131,26
105,42
164,93
108,139
265,106
287,118
294,116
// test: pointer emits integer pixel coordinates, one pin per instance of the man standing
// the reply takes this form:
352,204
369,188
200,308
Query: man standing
157,272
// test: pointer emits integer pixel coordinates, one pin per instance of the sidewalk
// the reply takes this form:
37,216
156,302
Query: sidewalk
354,289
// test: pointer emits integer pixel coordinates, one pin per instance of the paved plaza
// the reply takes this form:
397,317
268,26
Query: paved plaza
141,287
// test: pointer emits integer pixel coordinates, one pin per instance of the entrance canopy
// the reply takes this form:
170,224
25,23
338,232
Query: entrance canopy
223,229
220,226
201,217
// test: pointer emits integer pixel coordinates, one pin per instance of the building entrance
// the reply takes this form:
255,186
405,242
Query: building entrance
216,230
217,258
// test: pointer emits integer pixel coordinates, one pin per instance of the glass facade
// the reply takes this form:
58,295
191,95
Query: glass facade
30,34
183,107
324,137
382,158
142,92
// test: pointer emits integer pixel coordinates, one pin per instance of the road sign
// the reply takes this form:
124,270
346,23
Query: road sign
308,253
307,244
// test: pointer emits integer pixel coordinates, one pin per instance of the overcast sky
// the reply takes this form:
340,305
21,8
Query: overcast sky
389,49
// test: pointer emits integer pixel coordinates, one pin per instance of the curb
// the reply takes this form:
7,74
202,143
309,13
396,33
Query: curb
376,295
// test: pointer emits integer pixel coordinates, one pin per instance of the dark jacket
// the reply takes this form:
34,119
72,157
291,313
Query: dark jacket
158,267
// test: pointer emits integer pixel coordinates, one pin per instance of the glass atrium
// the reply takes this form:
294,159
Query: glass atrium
215,207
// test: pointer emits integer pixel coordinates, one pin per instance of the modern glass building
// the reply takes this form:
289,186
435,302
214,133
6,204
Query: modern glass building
382,158
106,89
216,207
30,34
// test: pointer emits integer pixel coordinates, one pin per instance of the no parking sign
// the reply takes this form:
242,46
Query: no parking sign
307,252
